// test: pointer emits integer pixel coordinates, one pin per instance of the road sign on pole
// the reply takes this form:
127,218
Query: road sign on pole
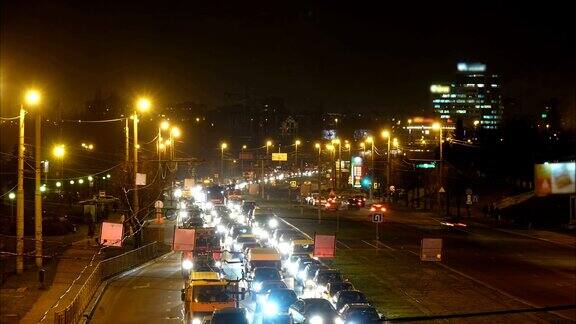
377,218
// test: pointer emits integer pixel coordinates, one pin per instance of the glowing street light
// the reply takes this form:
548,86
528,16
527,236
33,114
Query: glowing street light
32,97
268,144
175,132
59,151
11,196
164,125
71,182
58,184
143,104
90,178
81,181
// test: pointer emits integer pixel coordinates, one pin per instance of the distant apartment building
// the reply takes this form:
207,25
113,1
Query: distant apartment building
472,101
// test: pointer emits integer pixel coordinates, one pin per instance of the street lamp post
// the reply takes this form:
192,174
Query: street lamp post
143,105
11,196
33,99
174,133
223,146
296,143
242,160
319,178
331,149
370,139
386,135
438,127
20,196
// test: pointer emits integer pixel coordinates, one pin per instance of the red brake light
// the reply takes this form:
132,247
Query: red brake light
372,209
383,209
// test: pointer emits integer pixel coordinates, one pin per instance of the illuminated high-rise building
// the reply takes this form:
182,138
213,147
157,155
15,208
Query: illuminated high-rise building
473,99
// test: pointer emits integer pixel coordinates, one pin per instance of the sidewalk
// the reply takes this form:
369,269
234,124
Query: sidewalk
74,259
27,303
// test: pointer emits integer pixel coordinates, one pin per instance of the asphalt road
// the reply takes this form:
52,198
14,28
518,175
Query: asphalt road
532,271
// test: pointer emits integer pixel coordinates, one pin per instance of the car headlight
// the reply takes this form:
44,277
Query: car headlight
237,246
284,248
187,264
221,228
257,287
338,320
273,223
218,264
316,319
302,274
271,309
196,321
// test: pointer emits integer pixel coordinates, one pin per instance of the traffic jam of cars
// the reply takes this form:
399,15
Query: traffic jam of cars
248,265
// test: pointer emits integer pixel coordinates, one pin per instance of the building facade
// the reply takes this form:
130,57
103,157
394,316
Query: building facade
472,101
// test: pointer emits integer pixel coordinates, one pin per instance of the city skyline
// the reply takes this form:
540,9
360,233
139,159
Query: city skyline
300,52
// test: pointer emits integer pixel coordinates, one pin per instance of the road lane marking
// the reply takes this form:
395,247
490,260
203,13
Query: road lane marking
386,246
374,246
346,246
143,286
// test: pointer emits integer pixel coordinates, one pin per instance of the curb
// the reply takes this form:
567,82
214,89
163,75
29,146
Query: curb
87,315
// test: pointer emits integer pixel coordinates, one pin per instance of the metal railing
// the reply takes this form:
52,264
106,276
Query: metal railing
105,269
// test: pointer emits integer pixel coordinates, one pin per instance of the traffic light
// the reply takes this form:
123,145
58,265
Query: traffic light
366,182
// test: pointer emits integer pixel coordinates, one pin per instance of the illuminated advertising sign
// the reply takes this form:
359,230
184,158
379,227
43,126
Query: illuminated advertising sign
437,88
329,134
555,178
471,67
279,156
356,164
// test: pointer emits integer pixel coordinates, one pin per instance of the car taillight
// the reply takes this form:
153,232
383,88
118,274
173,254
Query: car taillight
372,209
383,209
359,203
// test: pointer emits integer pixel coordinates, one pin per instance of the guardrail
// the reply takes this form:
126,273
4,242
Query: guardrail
105,269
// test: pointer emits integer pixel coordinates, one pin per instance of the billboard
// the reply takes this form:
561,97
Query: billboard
324,246
356,178
329,134
111,234
184,239
431,249
555,178
279,156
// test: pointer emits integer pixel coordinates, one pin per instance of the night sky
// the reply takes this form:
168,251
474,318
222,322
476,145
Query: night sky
352,56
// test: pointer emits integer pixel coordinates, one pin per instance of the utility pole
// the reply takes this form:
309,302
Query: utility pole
38,193
136,204
388,165
319,178
127,152
20,197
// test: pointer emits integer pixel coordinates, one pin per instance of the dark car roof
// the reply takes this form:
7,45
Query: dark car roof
230,310
349,292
